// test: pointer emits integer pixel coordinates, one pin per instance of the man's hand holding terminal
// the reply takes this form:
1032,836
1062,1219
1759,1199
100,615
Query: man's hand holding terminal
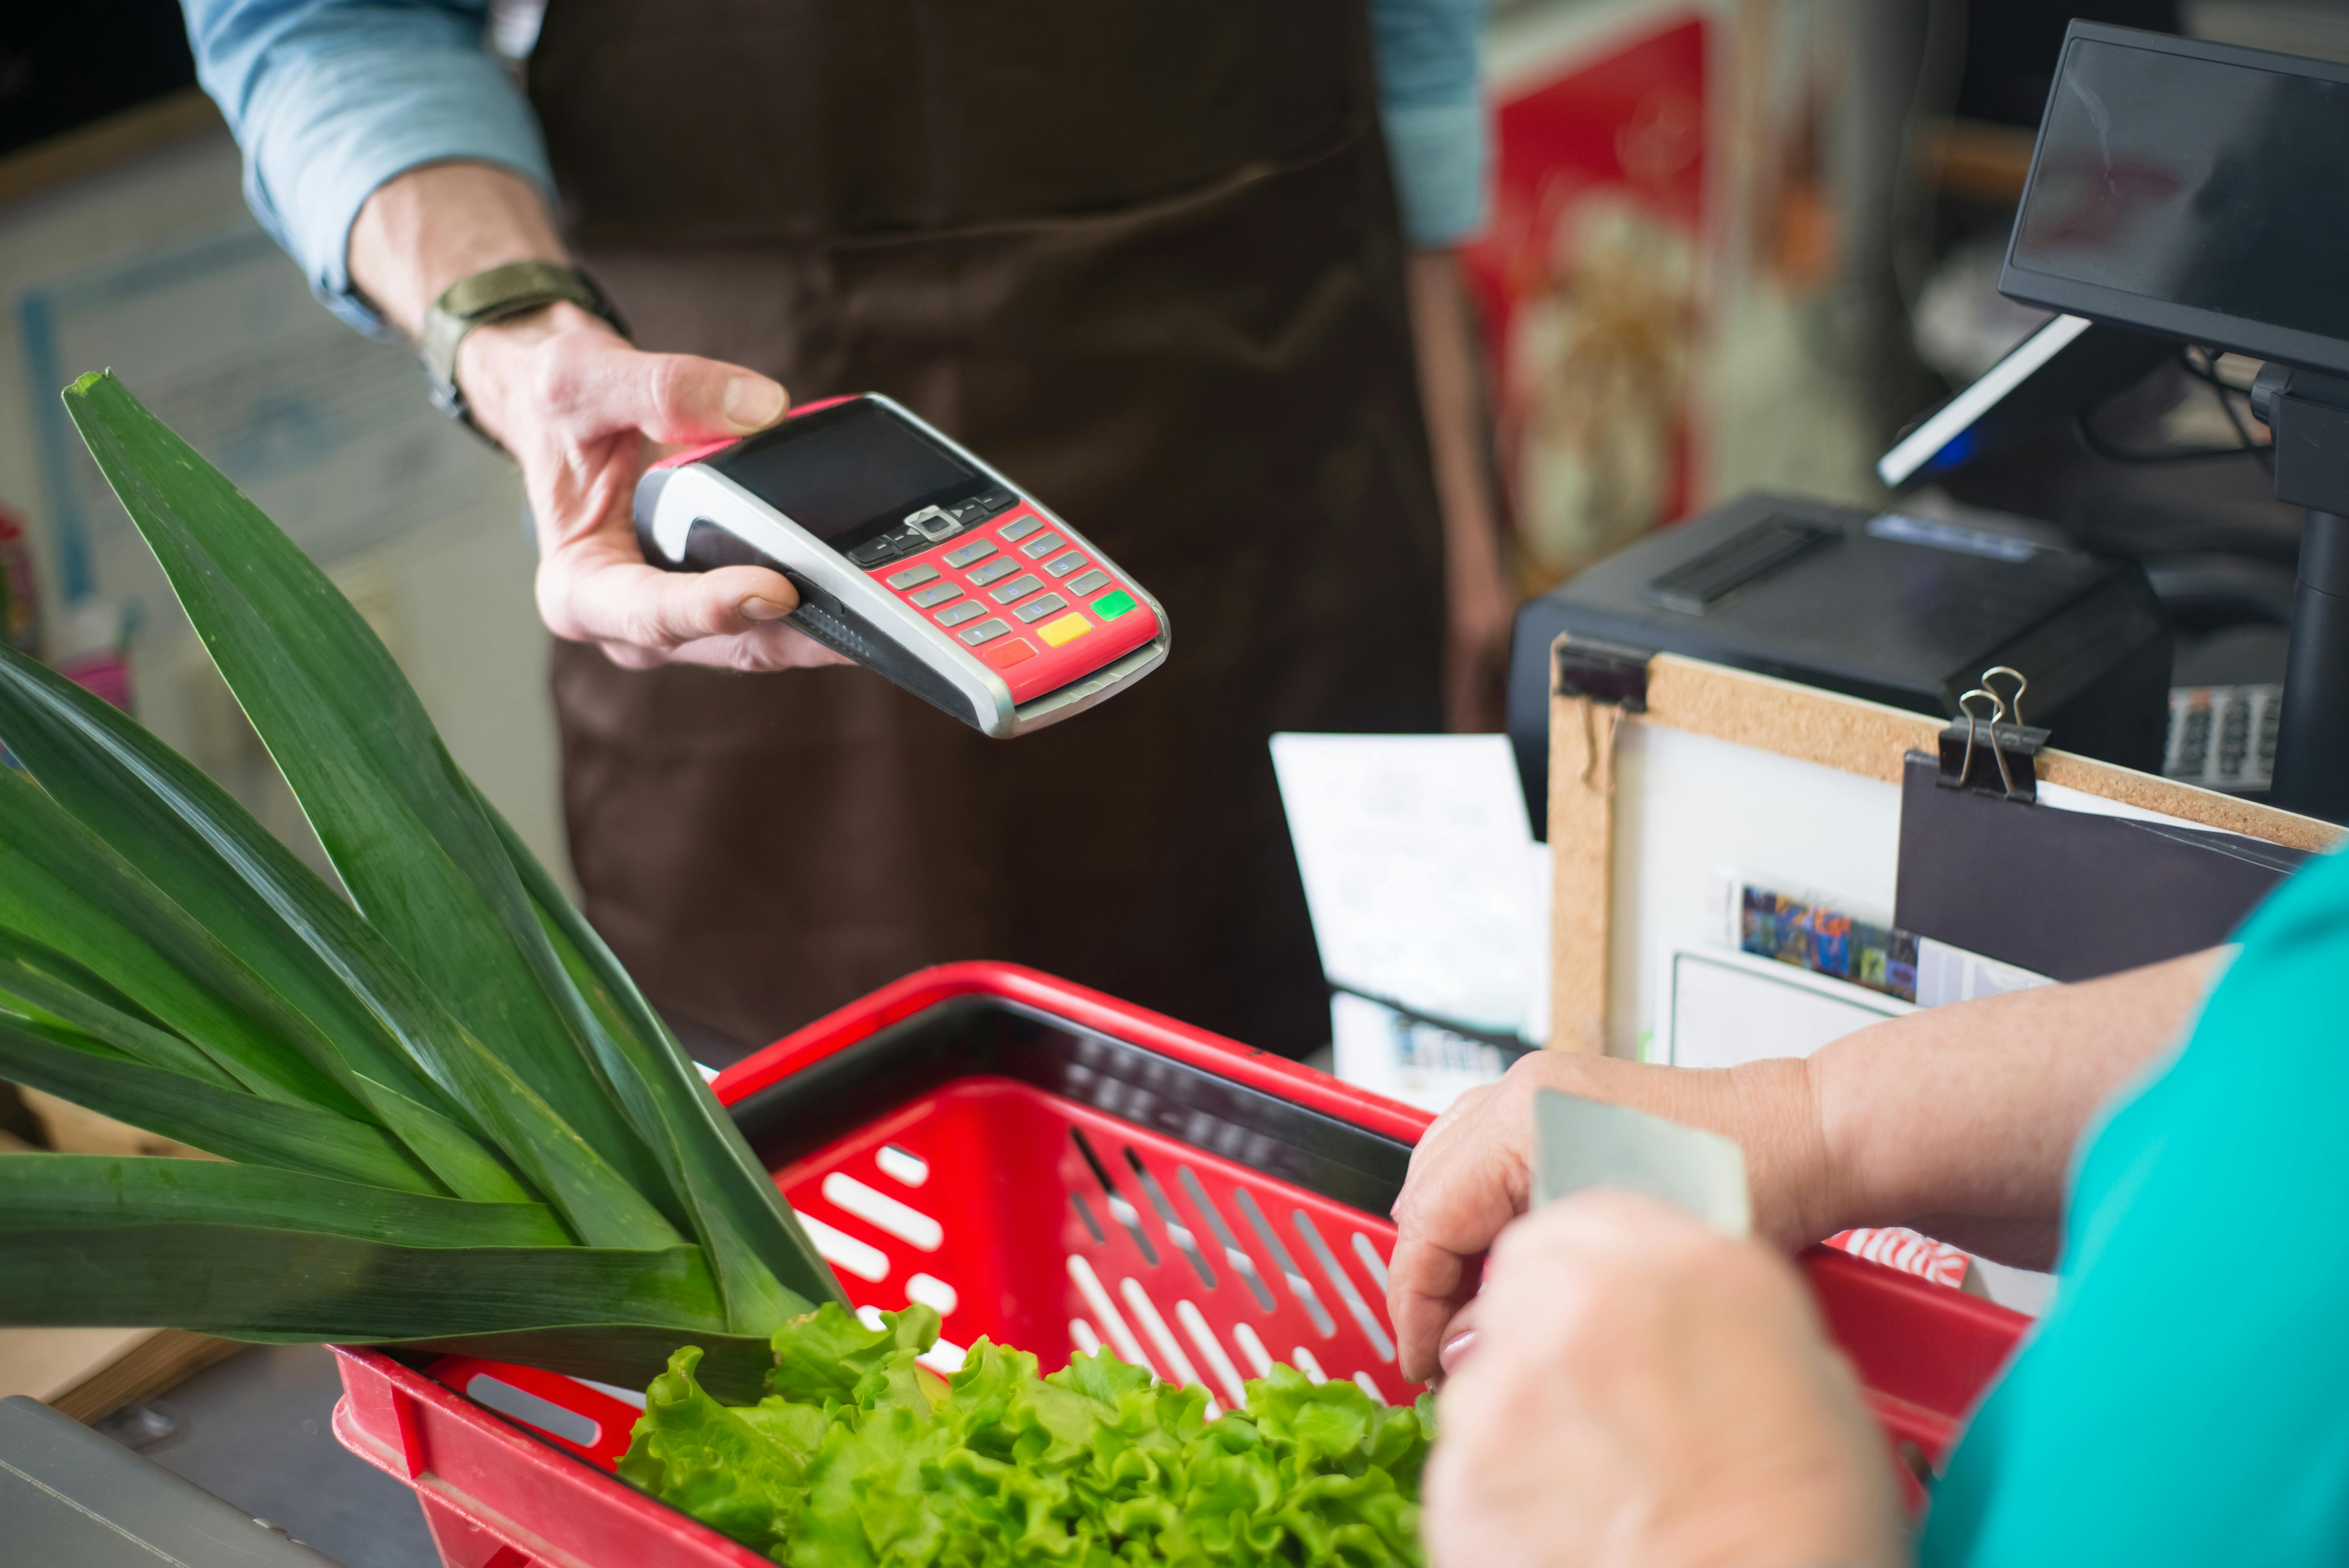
583,411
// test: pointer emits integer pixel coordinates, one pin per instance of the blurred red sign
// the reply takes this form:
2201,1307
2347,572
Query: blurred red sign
1589,279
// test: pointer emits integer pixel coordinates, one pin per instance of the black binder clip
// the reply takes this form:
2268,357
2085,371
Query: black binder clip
1606,673
1989,752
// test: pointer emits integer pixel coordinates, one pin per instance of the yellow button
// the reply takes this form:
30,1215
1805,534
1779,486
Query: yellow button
1066,629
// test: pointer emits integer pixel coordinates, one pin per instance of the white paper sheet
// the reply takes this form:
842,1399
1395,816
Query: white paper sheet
1375,1047
1421,872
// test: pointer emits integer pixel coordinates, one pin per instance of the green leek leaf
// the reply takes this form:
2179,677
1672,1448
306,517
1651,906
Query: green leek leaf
241,1281
769,1270
181,970
304,939
389,805
83,1191
139,792
235,1126
203,851
31,975
447,1149
63,886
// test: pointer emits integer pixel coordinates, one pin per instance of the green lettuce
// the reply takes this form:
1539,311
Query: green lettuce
859,1458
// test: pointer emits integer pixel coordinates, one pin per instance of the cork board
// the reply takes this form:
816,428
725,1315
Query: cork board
1846,734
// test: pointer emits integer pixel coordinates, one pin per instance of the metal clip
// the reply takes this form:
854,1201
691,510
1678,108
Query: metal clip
2011,705
1998,752
2014,744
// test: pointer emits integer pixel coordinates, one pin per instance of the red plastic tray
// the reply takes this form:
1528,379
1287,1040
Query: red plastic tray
1052,1169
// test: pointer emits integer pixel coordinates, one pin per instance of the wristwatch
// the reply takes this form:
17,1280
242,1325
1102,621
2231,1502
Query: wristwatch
500,294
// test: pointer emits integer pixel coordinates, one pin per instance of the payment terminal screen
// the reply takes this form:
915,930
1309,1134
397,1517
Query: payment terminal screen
2201,183
838,469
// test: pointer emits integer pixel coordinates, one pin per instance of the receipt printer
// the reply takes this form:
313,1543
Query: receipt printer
1898,609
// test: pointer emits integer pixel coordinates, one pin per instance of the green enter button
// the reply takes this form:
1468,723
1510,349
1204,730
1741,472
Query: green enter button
1110,606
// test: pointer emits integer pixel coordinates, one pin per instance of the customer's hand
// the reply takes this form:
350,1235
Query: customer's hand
1472,1172
584,412
1645,1391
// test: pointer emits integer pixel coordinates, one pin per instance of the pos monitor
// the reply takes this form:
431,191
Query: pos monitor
2197,192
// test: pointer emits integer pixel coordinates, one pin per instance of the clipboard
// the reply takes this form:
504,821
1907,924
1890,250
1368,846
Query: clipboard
2068,894
1660,764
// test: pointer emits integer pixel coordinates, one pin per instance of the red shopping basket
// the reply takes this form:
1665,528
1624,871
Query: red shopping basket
1055,1169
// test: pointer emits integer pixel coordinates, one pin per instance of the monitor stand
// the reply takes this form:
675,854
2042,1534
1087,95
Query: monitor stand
2309,417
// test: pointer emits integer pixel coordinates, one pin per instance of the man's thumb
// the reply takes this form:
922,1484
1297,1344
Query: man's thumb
751,402
697,400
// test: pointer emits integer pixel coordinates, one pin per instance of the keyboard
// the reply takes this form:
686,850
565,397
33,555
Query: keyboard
2223,737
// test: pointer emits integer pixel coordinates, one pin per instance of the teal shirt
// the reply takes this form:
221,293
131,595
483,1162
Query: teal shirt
2187,1399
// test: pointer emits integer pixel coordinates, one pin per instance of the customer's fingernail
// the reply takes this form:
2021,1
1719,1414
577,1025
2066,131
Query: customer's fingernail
758,609
1458,1345
752,402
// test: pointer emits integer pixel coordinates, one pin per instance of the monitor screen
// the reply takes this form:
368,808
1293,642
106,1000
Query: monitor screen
2212,184
838,469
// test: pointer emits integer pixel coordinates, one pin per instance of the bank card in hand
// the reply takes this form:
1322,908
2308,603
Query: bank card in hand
1581,1144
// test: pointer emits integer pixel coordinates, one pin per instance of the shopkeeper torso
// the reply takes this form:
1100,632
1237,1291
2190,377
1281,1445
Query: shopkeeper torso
2186,1400
1146,258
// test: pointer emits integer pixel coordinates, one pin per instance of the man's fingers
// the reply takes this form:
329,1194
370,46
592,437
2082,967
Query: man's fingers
599,589
615,601
759,651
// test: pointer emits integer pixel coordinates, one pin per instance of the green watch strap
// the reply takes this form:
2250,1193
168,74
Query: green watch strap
499,294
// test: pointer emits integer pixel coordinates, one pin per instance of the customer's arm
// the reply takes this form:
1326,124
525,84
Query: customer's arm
1432,110
1958,1120
392,155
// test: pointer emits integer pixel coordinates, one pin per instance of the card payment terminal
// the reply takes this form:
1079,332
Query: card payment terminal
913,558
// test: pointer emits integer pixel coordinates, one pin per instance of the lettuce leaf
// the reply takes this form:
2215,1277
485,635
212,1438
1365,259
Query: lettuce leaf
740,1471
859,1458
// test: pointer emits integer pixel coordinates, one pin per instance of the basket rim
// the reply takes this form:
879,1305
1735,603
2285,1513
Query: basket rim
1251,1066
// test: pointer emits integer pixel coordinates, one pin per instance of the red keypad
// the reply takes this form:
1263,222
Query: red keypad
1037,653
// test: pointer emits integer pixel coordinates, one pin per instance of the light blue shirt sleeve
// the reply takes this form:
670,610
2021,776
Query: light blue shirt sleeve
1431,103
329,98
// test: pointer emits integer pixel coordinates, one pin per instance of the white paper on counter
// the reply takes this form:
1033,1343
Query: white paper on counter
1373,1047
1421,872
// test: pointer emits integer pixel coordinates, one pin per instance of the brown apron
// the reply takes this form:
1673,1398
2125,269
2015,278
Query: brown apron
1142,257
